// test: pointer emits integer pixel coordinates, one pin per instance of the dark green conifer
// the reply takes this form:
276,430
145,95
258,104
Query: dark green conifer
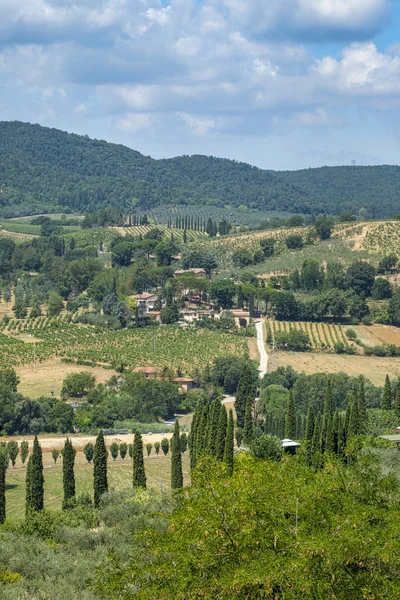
201,437
68,473
310,424
397,401
350,400
221,436
176,460
100,480
213,429
316,440
3,469
192,439
328,403
229,442
341,436
386,403
248,430
353,427
329,436
335,429
35,480
290,418
362,409
139,475
246,389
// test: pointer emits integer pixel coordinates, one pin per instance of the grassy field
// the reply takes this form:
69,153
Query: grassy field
158,470
372,367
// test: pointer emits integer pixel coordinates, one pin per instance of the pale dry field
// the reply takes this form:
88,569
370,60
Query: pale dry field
48,375
372,367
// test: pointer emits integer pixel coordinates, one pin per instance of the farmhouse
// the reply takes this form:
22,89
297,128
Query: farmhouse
242,317
196,272
148,372
146,301
185,383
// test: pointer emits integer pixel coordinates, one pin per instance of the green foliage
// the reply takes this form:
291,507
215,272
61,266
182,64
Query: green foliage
55,304
382,289
245,390
176,459
100,481
3,470
34,480
387,399
157,447
290,418
164,446
55,453
114,449
229,444
139,475
183,442
77,385
68,473
13,451
123,450
149,448
24,450
248,428
88,451
296,340
267,447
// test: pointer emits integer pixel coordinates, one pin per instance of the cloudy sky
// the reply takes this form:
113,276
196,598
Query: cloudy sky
277,83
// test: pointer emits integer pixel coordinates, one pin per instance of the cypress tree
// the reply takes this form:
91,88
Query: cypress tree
353,427
213,429
341,437
3,469
201,435
221,435
397,401
68,473
290,419
310,424
248,430
362,409
386,403
176,460
229,441
330,435
246,389
335,430
324,429
139,475
100,468
35,480
328,404
347,417
192,438
316,440
28,487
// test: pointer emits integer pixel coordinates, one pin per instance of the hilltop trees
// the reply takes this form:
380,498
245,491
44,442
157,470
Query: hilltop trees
139,475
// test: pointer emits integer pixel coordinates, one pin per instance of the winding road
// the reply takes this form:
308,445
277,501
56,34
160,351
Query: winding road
263,367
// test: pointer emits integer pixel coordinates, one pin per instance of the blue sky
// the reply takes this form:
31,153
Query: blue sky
277,83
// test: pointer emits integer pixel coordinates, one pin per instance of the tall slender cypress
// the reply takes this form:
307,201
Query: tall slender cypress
100,480
330,435
362,409
68,473
316,441
341,436
35,480
328,403
248,430
386,403
310,424
335,431
353,428
229,441
192,438
397,401
3,469
221,436
139,475
290,418
176,459
213,429
246,389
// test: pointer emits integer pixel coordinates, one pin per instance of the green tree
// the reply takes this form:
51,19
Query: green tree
310,424
361,277
324,226
13,451
248,429
19,309
139,475
55,453
229,444
290,418
68,473
149,447
114,449
397,401
3,470
382,289
221,434
362,409
24,451
77,385
100,481
246,390
176,459
386,402
157,447
35,480
222,292
353,427
183,442
123,450
88,451
165,446
55,304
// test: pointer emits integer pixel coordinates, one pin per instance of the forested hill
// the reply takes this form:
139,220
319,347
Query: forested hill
44,169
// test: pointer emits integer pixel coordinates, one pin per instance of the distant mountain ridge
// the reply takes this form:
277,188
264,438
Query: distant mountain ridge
43,169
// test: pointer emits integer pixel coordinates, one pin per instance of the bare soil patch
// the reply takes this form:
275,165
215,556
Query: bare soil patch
373,367
380,334
253,349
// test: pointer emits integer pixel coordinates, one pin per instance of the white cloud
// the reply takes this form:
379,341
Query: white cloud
200,126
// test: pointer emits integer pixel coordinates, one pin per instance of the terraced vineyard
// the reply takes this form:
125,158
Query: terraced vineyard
160,347
323,336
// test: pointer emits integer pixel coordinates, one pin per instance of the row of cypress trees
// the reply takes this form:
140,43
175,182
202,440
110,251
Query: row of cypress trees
212,434
34,490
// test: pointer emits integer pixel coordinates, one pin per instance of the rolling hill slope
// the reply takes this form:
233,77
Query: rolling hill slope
44,169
